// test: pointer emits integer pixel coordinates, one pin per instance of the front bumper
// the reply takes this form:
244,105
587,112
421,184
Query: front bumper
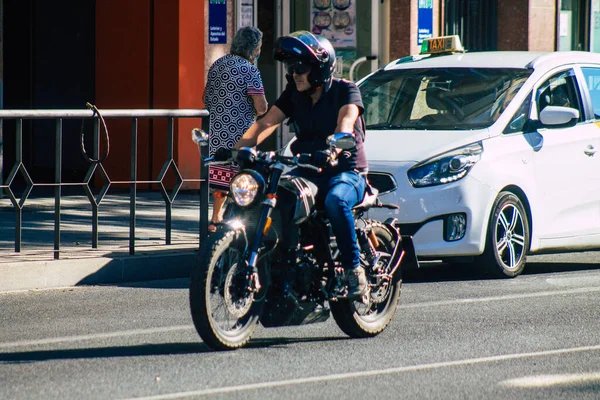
423,210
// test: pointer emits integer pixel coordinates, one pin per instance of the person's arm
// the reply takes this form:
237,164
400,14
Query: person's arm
260,104
261,129
347,118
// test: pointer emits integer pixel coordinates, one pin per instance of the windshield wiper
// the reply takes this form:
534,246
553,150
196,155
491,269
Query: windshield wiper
385,125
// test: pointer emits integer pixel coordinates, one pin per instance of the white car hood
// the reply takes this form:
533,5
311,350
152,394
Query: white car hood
416,145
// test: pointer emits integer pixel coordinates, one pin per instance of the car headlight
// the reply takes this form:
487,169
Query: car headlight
245,188
445,168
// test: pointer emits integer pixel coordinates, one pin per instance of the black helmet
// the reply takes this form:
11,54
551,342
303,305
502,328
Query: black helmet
305,47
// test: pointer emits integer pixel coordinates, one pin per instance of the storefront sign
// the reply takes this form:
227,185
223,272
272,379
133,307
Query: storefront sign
247,14
425,20
217,21
336,20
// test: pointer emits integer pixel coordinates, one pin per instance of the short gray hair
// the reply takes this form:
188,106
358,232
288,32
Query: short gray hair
246,41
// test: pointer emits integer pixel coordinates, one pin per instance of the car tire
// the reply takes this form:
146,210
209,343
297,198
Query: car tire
507,239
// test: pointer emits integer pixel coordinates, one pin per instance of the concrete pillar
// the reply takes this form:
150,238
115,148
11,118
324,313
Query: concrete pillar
542,25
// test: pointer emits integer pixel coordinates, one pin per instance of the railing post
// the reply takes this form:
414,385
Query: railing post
133,186
95,205
204,185
1,157
18,207
57,187
168,202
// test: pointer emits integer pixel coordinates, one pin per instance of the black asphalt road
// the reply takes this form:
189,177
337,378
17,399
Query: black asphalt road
454,337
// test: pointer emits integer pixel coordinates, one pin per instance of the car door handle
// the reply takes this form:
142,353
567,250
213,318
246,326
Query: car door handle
590,150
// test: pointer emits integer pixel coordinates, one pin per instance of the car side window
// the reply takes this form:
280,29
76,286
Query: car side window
560,90
517,124
592,79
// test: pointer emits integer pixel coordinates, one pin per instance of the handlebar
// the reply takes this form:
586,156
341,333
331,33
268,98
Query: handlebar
294,161
308,166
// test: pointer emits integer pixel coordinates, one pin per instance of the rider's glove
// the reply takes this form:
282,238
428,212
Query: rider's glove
222,154
321,158
304,158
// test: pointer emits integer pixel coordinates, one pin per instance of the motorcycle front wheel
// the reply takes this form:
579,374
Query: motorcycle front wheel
224,311
359,320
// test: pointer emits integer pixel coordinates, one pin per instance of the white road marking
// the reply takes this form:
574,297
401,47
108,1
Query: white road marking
542,381
95,336
364,374
501,298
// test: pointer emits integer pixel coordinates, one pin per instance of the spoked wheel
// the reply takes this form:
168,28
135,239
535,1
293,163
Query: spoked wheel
359,320
507,241
224,311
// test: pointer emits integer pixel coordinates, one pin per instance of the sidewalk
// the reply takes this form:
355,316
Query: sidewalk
79,264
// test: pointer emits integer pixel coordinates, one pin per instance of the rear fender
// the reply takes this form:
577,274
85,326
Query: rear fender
404,252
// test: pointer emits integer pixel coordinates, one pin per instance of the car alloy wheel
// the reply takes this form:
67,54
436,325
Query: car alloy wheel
510,239
507,240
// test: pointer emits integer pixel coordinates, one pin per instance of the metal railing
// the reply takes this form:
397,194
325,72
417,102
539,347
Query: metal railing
96,165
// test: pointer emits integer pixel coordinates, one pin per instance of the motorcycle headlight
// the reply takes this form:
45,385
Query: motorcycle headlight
445,168
246,188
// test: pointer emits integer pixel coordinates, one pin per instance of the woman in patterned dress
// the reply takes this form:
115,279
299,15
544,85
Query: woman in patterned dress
234,96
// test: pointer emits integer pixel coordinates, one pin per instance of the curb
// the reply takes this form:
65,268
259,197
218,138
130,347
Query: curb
31,275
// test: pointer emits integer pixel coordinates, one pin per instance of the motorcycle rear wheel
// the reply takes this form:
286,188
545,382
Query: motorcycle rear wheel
224,312
358,320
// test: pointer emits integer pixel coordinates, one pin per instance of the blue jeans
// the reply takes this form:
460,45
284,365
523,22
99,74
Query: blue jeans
341,192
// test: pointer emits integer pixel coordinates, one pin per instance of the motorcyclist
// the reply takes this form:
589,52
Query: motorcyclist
319,105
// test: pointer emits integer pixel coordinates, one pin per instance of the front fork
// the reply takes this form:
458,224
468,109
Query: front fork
262,227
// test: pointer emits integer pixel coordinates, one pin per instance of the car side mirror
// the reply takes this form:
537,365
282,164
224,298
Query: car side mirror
199,137
555,116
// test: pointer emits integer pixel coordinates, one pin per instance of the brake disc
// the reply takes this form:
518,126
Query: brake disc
238,299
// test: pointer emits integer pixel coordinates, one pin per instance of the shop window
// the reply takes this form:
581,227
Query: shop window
475,21
573,27
595,27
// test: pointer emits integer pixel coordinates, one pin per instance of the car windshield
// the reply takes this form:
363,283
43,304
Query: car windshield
439,98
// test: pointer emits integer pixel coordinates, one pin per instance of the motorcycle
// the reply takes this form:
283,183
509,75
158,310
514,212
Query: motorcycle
241,280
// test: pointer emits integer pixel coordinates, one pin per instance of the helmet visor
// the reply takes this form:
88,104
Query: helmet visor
297,66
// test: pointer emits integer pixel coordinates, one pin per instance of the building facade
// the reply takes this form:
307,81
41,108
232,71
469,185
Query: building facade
155,54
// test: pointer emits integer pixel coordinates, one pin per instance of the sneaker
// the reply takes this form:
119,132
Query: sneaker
357,283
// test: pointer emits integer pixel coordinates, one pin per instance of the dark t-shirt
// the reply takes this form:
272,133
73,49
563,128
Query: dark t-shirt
313,123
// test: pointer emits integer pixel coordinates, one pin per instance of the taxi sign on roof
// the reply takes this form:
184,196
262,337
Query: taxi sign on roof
442,44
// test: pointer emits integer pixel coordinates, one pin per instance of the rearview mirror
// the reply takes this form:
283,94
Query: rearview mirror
342,141
199,137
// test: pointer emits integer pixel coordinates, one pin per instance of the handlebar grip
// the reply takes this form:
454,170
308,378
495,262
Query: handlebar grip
309,166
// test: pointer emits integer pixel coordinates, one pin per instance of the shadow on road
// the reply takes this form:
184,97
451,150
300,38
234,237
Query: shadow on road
546,267
105,352
166,349
281,342
177,283
442,272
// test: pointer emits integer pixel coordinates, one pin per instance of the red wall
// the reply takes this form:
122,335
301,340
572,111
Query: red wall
191,80
150,58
